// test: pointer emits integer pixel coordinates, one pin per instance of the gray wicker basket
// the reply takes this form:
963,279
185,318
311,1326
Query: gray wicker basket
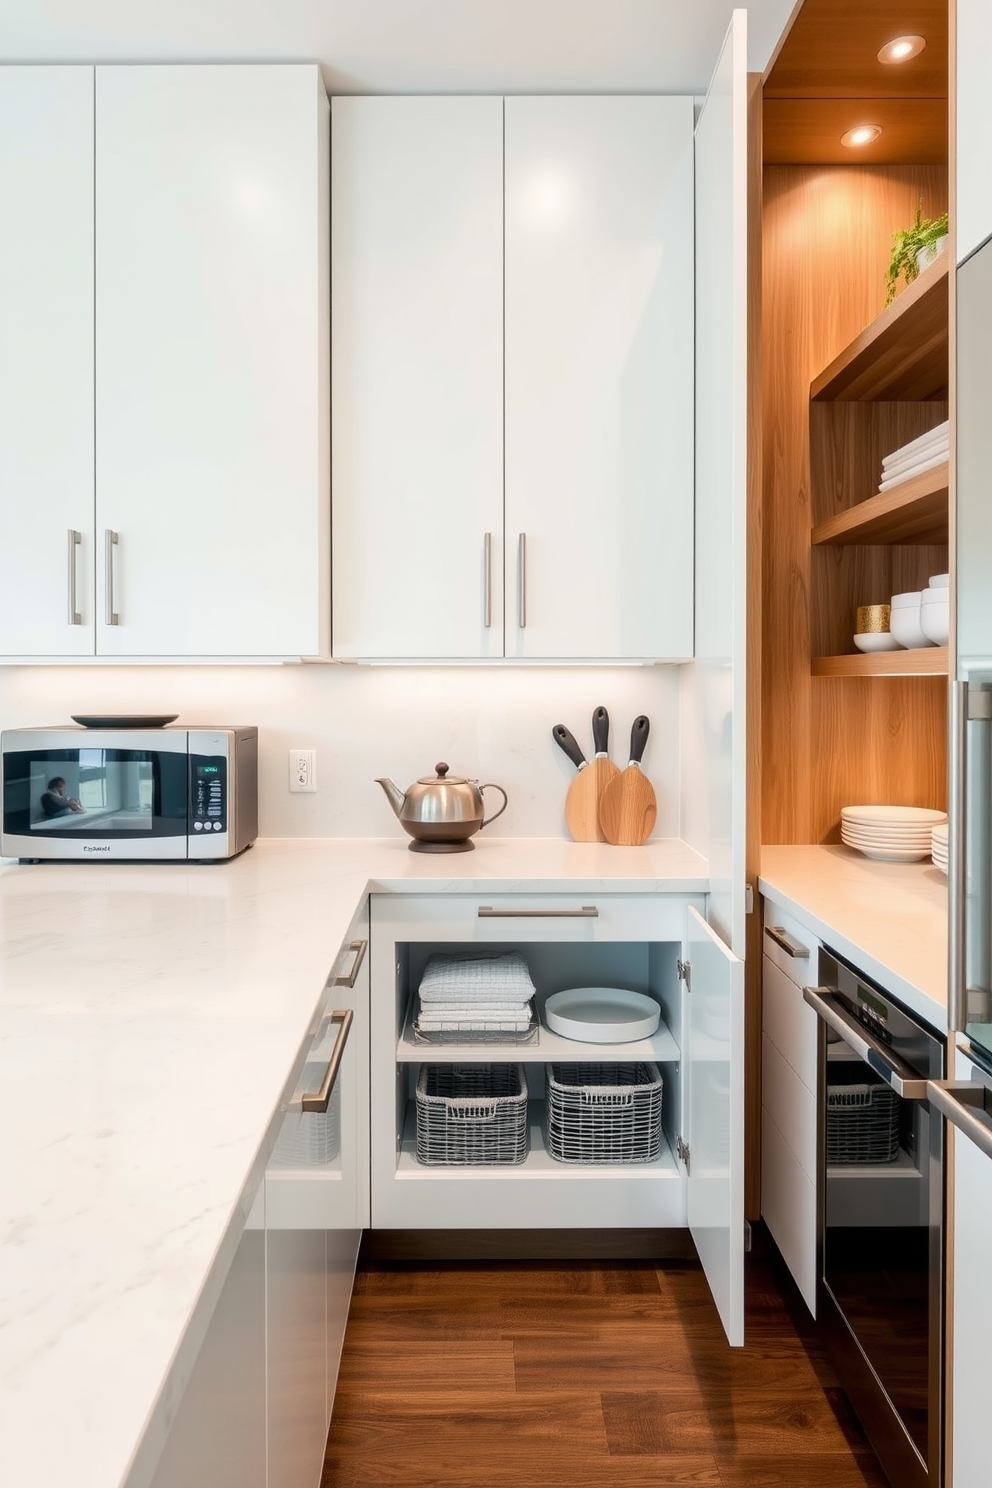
862,1124
603,1113
471,1115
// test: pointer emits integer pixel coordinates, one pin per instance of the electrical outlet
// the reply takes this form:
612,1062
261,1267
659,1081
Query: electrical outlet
303,771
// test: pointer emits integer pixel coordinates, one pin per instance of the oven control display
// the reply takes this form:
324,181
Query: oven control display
208,794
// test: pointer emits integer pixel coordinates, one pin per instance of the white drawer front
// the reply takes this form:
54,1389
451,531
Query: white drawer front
792,1106
802,970
514,917
788,1207
789,1022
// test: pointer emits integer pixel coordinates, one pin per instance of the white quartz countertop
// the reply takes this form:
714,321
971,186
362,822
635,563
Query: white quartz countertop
888,919
150,1017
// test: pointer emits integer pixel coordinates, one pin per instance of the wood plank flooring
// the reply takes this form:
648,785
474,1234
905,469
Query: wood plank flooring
583,1375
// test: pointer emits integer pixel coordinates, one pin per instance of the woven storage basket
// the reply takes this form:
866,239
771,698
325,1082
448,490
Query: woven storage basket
862,1124
603,1113
471,1115
309,1139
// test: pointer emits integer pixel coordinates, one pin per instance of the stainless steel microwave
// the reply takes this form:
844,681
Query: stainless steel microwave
140,794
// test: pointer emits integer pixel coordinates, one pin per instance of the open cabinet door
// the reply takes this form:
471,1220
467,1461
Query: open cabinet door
713,1067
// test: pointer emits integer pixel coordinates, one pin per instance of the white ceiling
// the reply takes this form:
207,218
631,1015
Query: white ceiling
392,46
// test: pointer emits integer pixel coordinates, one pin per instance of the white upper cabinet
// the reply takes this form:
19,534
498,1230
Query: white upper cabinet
46,361
417,376
973,139
599,383
212,445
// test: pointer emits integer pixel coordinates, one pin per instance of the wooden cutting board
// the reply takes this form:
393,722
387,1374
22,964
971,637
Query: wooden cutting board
629,807
582,800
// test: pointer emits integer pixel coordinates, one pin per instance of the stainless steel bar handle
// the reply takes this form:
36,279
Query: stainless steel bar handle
522,580
952,1098
788,943
902,1079
487,582
587,912
75,618
351,977
319,1101
110,541
957,862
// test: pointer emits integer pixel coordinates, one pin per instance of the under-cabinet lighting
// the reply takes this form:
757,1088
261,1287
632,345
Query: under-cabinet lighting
861,134
902,49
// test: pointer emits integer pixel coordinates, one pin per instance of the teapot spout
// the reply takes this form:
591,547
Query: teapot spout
394,796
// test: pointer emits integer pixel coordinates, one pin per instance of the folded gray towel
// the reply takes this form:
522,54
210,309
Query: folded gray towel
484,978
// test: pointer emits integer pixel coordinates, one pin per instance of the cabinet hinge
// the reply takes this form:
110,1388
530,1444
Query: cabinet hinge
683,969
747,1237
682,1149
749,899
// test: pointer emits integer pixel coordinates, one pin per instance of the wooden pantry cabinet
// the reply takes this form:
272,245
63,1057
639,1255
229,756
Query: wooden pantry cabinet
512,353
164,362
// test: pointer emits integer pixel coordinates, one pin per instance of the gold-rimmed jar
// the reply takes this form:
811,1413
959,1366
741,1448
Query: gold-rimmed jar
873,619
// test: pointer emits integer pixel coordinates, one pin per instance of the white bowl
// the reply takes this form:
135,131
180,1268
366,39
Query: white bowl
939,581
877,640
602,1015
904,623
905,601
935,622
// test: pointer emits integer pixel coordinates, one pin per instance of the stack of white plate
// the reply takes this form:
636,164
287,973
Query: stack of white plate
938,838
893,834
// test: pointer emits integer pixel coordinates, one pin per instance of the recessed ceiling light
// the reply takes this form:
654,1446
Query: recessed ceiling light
862,134
902,48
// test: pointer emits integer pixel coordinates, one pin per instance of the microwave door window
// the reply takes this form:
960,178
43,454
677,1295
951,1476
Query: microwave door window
121,793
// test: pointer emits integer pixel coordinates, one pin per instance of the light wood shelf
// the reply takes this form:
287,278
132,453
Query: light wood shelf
902,354
914,512
924,661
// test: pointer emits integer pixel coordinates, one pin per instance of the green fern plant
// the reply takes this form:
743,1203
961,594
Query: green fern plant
907,244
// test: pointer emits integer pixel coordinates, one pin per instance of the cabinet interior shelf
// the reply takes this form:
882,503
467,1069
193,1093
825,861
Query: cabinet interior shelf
926,661
914,512
902,353
661,1048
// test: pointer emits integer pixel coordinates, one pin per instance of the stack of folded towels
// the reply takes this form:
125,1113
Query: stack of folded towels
476,994
914,458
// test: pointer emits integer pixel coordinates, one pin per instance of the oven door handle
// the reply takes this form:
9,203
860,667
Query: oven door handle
904,1081
953,1098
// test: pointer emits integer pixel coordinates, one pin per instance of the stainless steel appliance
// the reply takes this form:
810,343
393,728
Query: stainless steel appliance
441,812
93,794
880,1203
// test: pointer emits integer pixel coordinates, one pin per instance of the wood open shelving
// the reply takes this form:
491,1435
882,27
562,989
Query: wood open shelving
902,354
914,512
923,661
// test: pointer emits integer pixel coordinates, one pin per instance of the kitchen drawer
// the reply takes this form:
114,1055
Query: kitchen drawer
789,1022
800,969
790,1104
466,918
788,1207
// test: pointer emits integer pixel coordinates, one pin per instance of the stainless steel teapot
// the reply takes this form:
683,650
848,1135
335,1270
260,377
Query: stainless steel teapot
441,812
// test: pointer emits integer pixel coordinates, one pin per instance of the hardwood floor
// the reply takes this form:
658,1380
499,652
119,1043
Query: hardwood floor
583,1375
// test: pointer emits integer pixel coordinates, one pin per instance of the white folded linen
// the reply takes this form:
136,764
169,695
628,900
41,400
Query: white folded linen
475,1010
933,436
917,458
473,1024
919,469
491,979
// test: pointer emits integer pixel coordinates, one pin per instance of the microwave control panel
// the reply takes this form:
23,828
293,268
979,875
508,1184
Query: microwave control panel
208,793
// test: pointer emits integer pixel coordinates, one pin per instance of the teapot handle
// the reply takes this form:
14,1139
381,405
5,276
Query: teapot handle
491,786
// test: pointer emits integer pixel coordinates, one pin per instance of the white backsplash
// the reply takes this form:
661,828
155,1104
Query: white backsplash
488,722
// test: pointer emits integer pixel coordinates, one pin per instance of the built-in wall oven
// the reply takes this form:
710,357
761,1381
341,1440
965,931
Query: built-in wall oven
880,1199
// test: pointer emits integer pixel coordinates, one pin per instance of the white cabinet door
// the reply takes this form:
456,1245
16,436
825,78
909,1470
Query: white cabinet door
968,1264
212,443
46,361
713,1052
417,373
973,141
599,394
217,1436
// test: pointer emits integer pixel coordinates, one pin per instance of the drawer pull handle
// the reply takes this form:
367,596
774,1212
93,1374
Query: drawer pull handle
348,980
904,1080
587,912
319,1101
789,945
959,1101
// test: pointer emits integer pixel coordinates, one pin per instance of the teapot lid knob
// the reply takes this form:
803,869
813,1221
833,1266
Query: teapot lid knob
442,769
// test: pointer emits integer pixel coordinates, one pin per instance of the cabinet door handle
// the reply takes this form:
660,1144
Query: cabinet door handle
350,978
522,581
319,1101
953,1098
110,541
587,912
789,944
75,618
487,580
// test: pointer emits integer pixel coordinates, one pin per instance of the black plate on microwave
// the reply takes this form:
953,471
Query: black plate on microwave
123,720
